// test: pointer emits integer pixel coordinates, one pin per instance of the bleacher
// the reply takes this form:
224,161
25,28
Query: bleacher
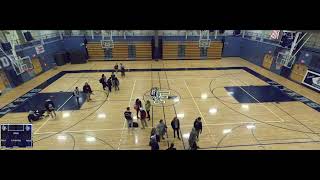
95,51
215,50
191,50
122,50
170,50
143,50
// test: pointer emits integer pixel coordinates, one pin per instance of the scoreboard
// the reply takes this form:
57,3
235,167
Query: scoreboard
16,135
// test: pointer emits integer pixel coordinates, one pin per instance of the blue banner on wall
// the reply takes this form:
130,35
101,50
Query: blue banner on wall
312,79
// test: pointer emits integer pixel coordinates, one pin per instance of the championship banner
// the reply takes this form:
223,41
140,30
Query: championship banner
312,79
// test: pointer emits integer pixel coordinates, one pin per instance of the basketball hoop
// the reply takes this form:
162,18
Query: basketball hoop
204,43
26,68
107,44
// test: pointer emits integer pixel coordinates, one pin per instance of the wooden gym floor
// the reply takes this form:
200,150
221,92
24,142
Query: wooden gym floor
227,124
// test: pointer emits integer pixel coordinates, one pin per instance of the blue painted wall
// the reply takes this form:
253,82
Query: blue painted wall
252,51
51,46
74,44
307,54
231,47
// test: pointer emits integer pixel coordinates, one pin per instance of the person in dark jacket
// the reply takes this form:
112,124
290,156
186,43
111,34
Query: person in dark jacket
103,81
109,84
193,140
128,117
116,84
33,116
143,116
198,126
137,106
87,90
172,147
154,143
116,67
175,124
113,77
50,107
154,132
122,69
147,105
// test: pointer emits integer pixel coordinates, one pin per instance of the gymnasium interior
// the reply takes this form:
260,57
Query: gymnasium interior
252,89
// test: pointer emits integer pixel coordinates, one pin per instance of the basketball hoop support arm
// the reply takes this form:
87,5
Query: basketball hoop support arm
300,47
294,44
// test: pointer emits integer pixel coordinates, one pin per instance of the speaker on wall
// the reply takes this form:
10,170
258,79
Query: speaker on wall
28,36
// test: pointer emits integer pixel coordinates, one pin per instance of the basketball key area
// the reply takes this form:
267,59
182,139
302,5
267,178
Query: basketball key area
242,106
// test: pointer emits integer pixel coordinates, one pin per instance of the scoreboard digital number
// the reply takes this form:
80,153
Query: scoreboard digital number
16,135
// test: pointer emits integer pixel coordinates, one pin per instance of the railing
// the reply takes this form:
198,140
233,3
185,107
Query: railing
46,36
131,33
18,41
314,41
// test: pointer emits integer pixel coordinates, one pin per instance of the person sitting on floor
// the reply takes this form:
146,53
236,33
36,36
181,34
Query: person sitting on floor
34,116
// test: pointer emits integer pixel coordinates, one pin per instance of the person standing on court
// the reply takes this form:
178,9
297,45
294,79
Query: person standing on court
137,106
116,67
143,115
193,139
109,84
155,132
128,116
103,81
175,124
154,143
116,84
161,129
113,77
148,106
198,126
50,107
87,90
122,69
76,94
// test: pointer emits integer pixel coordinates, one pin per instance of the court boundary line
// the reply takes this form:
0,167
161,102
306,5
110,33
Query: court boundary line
49,117
118,129
262,144
124,121
281,120
200,112
247,69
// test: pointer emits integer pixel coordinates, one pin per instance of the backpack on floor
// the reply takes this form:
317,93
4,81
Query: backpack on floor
135,124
